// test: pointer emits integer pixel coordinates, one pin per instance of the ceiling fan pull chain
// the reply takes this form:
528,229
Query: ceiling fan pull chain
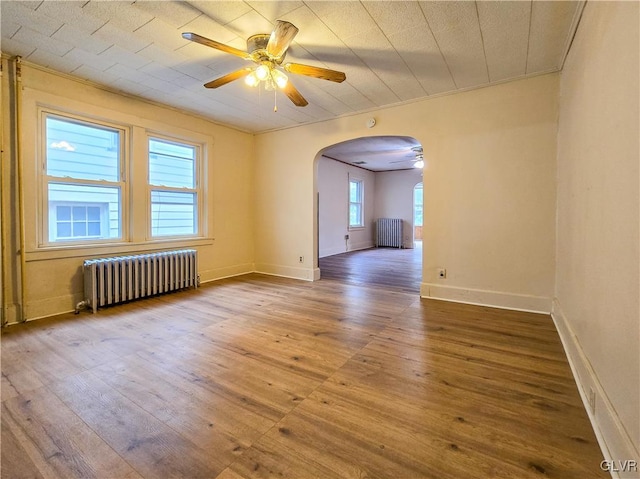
275,101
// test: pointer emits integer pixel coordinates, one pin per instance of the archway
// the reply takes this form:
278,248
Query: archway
359,181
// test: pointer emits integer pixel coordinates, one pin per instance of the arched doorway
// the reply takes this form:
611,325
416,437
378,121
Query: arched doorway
358,182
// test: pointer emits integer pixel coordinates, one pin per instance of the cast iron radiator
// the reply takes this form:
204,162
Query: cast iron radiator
114,280
389,232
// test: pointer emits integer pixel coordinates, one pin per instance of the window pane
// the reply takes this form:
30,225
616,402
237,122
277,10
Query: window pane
171,164
64,213
354,191
82,150
79,213
86,201
355,215
173,213
64,230
93,213
79,229
93,228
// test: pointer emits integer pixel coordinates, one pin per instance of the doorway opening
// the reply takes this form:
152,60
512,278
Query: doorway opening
386,170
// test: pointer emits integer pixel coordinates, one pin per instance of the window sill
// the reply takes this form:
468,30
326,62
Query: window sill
356,228
112,249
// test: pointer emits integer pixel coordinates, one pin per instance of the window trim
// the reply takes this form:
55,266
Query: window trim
121,184
360,182
198,189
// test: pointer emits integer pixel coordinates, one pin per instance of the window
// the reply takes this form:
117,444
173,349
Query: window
173,187
355,203
83,180
417,204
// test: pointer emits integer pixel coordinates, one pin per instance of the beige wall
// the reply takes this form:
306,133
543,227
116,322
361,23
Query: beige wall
333,209
53,275
597,280
489,191
394,198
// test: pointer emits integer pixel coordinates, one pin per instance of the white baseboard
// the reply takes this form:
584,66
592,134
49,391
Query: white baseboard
615,443
228,272
293,272
494,299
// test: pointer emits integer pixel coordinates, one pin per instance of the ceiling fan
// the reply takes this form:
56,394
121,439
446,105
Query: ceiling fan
267,51
417,157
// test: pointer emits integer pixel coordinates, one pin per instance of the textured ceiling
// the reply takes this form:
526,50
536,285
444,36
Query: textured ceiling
391,51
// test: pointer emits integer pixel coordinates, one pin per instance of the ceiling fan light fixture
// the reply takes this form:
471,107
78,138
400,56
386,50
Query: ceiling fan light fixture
279,78
419,164
262,72
252,79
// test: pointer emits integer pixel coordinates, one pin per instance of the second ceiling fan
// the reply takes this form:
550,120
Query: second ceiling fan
267,51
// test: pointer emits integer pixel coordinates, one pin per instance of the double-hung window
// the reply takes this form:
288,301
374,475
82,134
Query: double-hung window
356,217
83,181
174,187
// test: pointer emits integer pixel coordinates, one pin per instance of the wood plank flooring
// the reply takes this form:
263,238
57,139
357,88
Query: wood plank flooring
259,376
391,268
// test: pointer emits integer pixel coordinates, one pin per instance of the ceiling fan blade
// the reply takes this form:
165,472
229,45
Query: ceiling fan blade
315,72
294,95
218,82
194,37
281,37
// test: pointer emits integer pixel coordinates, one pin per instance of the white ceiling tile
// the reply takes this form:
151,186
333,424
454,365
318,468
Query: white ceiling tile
273,11
345,19
175,14
83,57
206,27
505,32
19,13
251,23
63,64
160,32
160,55
121,14
160,71
8,28
195,70
11,46
220,11
116,54
550,33
71,13
88,73
42,42
420,51
456,29
73,36
378,54
128,86
397,16
115,35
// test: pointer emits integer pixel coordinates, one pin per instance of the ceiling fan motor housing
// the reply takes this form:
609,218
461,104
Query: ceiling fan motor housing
257,48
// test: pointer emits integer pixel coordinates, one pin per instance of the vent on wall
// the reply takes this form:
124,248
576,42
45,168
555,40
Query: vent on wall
359,163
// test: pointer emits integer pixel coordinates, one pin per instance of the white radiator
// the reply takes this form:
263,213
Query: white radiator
389,232
114,280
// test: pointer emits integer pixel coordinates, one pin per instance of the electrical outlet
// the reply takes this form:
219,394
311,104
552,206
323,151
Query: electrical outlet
592,400
442,273
301,259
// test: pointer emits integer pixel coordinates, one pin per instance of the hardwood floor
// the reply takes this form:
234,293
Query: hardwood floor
260,376
391,268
